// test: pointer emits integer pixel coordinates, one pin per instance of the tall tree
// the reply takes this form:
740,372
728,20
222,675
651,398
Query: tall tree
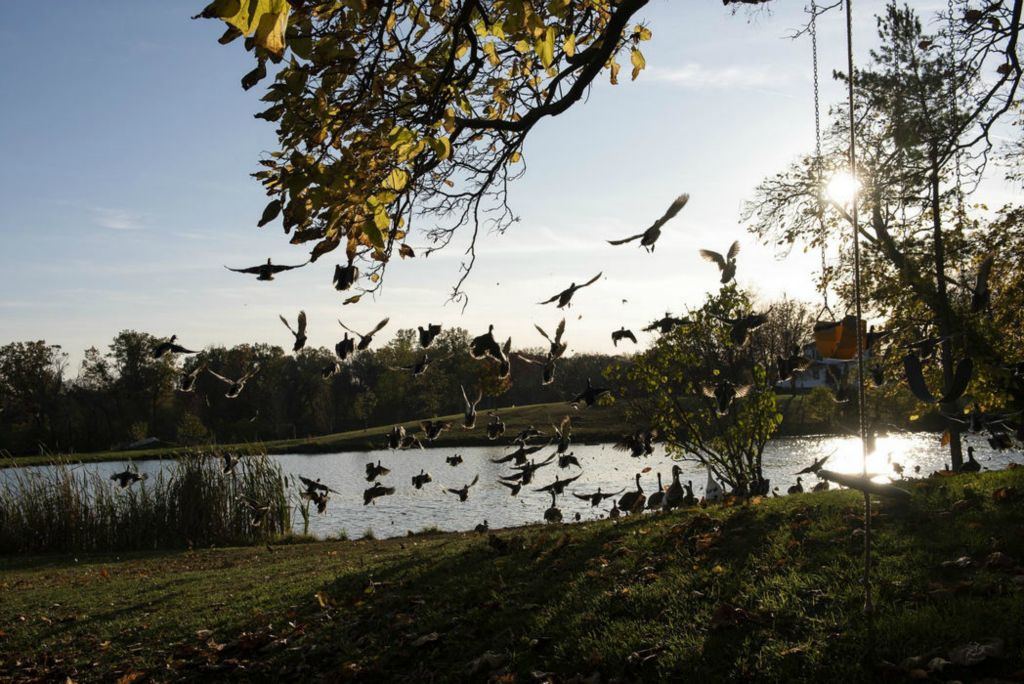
923,124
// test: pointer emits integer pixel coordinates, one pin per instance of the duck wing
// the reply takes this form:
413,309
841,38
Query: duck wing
734,250
379,327
625,240
251,269
589,282
220,377
302,323
279,268
713,257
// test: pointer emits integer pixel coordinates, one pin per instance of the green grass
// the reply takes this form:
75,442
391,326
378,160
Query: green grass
768,591
593,425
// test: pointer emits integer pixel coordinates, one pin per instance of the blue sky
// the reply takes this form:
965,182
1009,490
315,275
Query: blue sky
128,145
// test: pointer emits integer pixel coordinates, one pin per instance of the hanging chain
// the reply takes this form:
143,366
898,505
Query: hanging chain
817,158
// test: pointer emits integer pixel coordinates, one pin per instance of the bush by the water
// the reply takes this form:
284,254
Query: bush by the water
191,502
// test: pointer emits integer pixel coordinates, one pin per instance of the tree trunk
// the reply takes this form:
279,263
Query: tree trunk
945,326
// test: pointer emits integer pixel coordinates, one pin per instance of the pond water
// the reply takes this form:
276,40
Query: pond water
602,466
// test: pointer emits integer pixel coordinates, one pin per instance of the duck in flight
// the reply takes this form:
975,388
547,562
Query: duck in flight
374,471
169,347
235,387
726,264
597,497
666,324
299,333
345,348
419,480
375,492
564,298
651,235
266,271
469,413
428,334
589,395
796,363
128,478
725,395
463,492
433,428
740,327
547,363
495,427
345,276
623,334
187,381
365,340
557,347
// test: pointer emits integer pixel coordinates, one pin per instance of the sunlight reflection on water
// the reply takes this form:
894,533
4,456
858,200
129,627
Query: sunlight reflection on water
411,509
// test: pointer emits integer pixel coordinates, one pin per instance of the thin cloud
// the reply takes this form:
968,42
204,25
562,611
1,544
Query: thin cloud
117,219
699,77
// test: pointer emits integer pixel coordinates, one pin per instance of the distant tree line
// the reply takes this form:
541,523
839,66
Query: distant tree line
125,395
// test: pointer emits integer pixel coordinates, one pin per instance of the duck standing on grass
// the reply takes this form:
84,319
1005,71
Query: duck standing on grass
971,466
674,494
553,514
657,499
633,502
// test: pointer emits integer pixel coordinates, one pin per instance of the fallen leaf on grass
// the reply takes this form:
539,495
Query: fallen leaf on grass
130,677
426,639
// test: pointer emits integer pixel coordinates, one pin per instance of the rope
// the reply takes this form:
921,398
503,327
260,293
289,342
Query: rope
868,607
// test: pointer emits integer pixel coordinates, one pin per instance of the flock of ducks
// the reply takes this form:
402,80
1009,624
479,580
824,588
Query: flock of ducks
523,464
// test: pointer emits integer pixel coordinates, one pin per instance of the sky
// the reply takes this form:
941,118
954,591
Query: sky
128,144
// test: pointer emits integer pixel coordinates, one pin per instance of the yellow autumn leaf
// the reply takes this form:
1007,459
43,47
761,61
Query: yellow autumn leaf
569,47
461,51
545,47
615,72
396,180
268,19
638,61
642,33
492,54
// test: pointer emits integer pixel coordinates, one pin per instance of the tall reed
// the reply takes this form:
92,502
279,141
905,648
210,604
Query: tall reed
189,502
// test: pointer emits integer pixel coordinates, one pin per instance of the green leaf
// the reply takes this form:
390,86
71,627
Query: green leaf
545,47
373,230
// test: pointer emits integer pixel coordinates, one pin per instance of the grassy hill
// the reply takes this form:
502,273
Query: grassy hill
595,424
768,590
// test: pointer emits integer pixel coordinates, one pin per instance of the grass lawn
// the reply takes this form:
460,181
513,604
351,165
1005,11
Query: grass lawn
594,424
769,590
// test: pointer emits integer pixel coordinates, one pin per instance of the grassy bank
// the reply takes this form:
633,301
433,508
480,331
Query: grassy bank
595,424
769,591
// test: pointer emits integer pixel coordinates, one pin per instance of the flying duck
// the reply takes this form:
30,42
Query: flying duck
469,413
564,298
128,478
266,271
589,395
428,334
623,334
169,347
300,333
556,346
726,264
376,491
235,387
597,497
651,235
463,492
725,395
365,340
419,480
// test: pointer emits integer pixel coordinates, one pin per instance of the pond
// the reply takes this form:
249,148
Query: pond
601,466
